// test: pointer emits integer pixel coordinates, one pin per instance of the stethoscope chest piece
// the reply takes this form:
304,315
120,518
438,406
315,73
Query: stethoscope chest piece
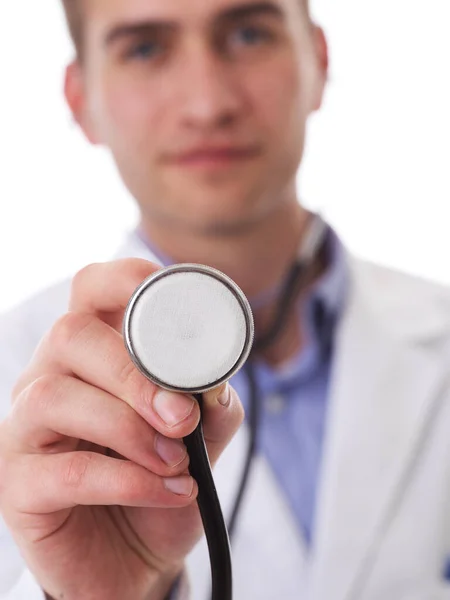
188,328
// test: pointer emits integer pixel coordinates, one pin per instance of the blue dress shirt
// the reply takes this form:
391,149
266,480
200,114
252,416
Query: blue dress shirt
294,398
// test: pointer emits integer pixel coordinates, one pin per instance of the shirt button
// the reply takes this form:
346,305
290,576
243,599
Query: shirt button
275,404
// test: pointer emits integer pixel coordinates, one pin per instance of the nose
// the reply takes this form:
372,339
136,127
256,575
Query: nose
209,93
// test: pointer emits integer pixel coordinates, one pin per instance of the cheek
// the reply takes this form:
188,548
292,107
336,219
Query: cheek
280,102
129,119
279,98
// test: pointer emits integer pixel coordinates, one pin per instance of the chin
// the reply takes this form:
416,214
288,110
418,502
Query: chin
225,222
231,207
224,228
222,223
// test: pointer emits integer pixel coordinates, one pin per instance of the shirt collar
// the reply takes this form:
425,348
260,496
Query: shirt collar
319,314
331,287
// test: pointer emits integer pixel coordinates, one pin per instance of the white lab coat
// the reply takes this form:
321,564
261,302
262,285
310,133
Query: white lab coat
383,514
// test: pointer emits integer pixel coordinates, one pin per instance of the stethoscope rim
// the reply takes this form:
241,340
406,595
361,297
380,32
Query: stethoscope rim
203,270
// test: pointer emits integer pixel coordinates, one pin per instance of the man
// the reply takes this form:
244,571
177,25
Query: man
204,107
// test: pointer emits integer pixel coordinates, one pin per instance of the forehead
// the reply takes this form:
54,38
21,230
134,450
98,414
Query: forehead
107,12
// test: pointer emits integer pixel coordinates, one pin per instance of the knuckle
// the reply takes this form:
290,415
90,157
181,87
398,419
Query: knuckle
145,392
137,386
137,268
75,468
40,395
82,276
68,328
18,387
128,374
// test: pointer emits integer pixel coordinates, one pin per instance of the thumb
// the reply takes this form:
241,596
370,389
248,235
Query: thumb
223,414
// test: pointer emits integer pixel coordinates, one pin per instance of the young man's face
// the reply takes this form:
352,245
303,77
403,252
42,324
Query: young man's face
203,103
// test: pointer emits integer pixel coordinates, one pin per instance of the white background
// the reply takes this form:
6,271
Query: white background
377,163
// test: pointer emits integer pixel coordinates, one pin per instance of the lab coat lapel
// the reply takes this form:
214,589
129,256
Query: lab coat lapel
383,390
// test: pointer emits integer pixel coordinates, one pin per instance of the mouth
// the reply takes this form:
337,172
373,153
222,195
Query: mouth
214,157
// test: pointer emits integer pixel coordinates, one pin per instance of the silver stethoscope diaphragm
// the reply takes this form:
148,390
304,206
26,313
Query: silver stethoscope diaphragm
188,328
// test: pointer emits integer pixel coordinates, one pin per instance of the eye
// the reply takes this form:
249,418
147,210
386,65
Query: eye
144,50
251,35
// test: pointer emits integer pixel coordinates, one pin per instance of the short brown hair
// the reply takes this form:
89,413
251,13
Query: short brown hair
73,10
74,18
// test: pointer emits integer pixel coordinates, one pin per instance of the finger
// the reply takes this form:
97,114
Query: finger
85,347
48,483
56,407
104,289
222,416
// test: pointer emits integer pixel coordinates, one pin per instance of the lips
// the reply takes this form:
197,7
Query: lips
214,156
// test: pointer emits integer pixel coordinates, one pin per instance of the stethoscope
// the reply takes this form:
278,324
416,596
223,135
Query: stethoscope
189,328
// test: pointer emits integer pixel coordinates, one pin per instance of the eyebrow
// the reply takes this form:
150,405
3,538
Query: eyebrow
249,10
232,14
135,29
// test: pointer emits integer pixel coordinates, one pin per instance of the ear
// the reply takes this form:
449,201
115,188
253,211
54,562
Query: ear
321,51
76,97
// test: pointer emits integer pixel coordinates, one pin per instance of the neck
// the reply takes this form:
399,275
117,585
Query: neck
257,259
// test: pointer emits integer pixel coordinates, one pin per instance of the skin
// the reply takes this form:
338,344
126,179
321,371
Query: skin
85,487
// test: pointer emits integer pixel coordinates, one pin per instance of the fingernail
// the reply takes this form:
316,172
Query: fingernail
182,486
172,408
225,397
172,452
